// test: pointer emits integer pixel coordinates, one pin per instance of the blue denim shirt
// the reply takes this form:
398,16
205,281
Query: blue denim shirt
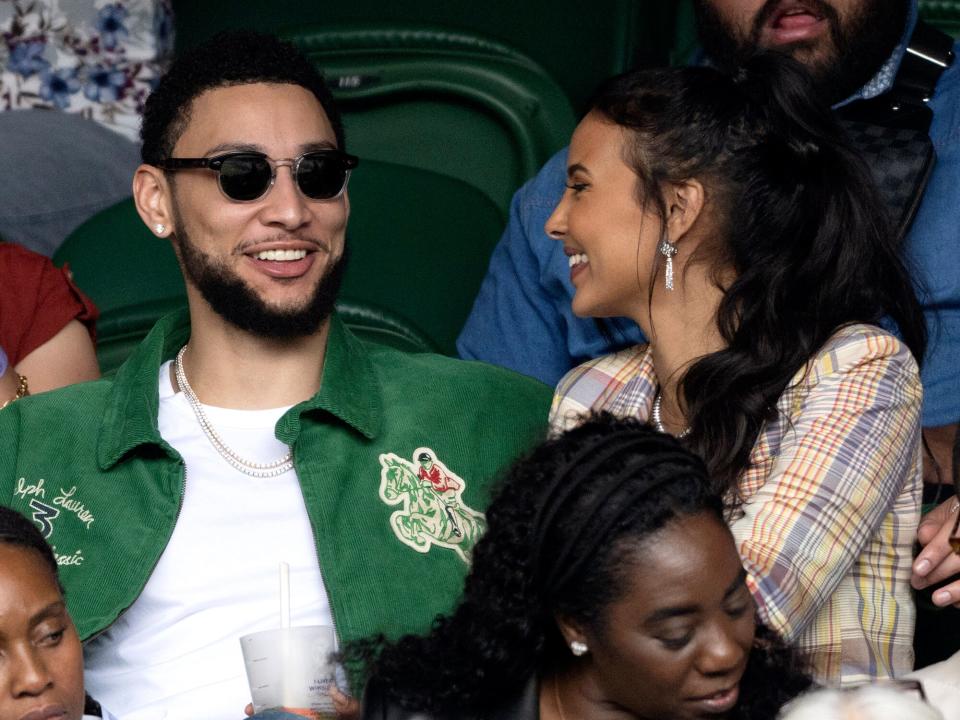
522,318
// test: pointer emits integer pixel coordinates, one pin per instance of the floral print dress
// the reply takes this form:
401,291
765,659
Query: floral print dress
96,58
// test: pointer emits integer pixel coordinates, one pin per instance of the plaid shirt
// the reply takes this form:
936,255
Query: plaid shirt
832,495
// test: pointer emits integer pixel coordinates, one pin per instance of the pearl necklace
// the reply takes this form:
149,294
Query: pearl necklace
658,420
247,467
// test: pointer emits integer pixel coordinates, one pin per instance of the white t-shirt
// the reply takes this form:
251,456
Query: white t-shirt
175,653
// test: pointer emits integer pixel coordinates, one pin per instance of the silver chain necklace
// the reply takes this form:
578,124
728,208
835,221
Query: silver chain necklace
658,419
247,467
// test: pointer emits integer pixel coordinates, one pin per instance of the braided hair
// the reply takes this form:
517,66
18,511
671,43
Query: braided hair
559,540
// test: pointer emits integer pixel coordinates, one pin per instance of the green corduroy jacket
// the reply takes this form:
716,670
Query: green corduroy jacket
88,465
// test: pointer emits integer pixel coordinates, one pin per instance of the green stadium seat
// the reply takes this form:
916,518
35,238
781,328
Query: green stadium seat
578,44
448,102
118,262
944,14
419,244
120,330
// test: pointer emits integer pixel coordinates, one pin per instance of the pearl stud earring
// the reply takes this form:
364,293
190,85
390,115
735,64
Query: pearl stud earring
578,648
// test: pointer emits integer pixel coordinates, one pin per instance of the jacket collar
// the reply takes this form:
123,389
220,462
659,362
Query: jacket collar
350,391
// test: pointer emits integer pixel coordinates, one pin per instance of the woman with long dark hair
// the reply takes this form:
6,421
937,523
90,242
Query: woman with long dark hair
730,219
607,585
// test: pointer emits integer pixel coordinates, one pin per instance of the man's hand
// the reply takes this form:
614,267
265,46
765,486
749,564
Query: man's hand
937,561
348,708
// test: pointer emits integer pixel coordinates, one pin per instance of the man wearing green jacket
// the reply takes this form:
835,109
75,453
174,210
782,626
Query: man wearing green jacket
254,429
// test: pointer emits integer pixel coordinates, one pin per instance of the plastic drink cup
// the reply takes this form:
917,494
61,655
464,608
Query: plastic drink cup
291,668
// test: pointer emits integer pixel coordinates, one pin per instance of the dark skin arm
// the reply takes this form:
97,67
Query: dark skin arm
937,561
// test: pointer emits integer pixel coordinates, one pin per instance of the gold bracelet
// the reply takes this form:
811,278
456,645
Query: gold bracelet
23,389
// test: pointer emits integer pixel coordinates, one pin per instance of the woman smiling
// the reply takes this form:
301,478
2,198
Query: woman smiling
730,220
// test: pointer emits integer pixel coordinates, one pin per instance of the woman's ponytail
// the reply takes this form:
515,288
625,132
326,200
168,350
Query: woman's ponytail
797,218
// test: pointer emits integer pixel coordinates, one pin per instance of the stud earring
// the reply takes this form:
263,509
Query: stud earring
578,648
160,228
668,250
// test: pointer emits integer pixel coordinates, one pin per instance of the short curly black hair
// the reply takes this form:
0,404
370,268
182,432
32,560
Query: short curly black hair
15,529
239,57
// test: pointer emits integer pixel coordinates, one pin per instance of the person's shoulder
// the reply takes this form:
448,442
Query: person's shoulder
553,169
14,253
860,340
21,264
597,384
77,397
70,408
600,371
544,187
949,81
46,424
860,345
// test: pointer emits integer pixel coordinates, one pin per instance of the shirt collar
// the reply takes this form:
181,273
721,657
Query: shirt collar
883,80
350,391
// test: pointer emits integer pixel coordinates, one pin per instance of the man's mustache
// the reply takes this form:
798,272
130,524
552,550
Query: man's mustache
772,7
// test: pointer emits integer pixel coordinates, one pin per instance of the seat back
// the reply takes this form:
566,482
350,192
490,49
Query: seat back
419,244
577,43
942,14
118,262
121,329
452,103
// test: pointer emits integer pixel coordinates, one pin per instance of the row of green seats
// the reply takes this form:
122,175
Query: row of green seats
449,115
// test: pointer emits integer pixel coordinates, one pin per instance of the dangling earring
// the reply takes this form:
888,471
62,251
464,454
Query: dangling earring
578,648
668,250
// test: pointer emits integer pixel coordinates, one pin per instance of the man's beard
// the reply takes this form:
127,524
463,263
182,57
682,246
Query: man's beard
861,43
237,303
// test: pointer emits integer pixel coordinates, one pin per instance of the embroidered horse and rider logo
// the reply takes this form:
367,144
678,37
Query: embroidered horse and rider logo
432,509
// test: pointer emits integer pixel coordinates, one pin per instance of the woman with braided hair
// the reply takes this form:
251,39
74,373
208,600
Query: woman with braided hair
731,220
41,662
607,585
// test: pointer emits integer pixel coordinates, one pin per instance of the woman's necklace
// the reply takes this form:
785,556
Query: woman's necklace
657,418
247,467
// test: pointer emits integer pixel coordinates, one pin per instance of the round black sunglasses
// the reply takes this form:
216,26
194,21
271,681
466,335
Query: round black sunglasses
247,176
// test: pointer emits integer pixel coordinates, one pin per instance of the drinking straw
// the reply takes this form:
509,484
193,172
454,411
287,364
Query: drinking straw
285,625
284,595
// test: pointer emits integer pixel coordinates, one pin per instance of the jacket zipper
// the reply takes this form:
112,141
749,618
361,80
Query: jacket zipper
316,545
